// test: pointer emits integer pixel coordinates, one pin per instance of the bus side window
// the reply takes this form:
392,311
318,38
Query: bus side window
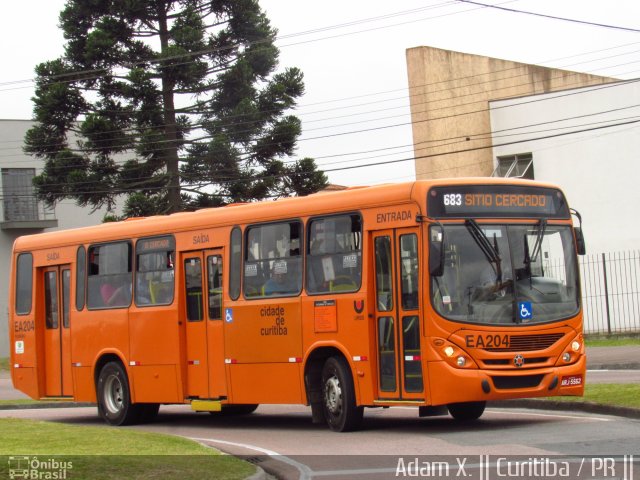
109,281
235,264
155,279
334,254
81,267
272,260
24,283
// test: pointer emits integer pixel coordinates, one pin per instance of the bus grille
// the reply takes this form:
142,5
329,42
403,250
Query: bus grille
526,343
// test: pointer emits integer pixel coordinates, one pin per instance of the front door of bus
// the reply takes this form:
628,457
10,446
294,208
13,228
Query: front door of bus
57,336
397,278
202,289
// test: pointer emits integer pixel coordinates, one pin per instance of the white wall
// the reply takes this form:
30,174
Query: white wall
67,213
599,169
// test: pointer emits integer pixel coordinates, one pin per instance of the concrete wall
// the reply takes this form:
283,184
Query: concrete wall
67,213
596,168
450,94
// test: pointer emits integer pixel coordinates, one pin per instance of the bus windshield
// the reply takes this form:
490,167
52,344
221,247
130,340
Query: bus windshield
507,274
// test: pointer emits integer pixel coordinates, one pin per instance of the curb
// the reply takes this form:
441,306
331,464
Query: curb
615,366
588,407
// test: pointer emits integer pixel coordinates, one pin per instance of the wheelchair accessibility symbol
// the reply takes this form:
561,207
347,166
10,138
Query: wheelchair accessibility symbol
228,315
525,311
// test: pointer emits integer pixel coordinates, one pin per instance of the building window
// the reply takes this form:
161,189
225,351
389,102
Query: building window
518,166
19,196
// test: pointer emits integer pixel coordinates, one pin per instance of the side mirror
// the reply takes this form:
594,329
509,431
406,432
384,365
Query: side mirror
580,245
436,250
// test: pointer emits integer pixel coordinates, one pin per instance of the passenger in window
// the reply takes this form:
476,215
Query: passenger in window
283,280
114,295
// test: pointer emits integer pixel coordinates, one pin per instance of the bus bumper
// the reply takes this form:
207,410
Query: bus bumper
452,385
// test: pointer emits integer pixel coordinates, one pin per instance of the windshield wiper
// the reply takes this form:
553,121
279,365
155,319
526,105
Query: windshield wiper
537,246
490,251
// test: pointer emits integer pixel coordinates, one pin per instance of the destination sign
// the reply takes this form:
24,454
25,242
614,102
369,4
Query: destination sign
157,244
501,201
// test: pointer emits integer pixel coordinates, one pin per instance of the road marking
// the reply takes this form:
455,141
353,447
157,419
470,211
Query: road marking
556,415
305,471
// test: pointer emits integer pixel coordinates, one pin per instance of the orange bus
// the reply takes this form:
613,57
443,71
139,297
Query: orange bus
436,294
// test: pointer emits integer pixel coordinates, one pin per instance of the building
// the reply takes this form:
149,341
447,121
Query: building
450,94
481,116
587,141
20,211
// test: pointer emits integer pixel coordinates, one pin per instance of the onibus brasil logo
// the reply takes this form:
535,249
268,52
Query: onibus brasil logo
37,469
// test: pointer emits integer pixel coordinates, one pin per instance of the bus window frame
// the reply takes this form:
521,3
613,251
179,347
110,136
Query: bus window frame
131,264
81,279
307,252
17,292
245,254
172,246
239,272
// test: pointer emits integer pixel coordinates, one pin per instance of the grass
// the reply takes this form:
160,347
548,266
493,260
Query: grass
611,341
617,394
4,363
115,453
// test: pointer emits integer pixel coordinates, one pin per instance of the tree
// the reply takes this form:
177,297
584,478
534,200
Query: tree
184,91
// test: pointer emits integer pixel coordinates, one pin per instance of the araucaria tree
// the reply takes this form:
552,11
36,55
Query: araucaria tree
175,104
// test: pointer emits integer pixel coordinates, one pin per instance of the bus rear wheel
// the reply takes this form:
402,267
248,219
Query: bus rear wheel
338,396
114,396
466,411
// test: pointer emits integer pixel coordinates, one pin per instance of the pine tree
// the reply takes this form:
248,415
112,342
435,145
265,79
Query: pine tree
185,91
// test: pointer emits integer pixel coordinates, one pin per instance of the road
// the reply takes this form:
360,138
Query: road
282,440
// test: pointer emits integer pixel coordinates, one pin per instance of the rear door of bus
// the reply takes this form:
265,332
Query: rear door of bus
56,282
203,294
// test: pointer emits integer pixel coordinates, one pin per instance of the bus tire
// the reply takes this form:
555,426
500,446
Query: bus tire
114,396
338,396
466,411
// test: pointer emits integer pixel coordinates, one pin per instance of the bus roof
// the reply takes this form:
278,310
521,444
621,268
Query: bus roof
349,199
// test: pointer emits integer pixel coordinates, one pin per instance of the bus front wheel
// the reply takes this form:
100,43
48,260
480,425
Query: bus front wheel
338,396
114,397
466,411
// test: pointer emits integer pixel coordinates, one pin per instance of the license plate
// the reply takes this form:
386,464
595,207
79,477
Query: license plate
572,381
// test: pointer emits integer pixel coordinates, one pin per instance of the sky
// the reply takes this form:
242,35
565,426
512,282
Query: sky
355,111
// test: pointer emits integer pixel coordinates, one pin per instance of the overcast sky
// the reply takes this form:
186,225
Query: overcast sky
354,63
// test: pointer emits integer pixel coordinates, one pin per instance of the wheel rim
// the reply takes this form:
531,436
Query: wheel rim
113,394
333,395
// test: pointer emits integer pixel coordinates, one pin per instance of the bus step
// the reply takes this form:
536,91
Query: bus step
56,399
206,405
